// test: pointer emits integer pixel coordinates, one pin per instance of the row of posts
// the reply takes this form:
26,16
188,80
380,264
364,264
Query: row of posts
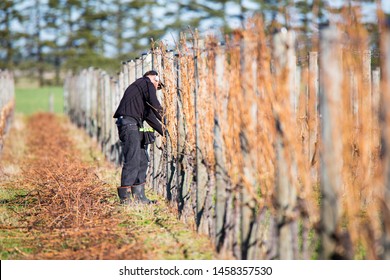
260,207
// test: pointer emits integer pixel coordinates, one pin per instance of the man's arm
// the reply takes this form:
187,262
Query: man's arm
151,119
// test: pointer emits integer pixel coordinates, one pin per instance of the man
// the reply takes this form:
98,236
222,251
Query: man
139,103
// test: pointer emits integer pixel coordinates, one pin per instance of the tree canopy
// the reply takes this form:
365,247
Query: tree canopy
58,35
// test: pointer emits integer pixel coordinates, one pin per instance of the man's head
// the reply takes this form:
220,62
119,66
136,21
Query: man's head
154,78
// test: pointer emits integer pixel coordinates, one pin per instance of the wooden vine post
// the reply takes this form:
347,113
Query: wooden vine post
330,159
284,189
385,128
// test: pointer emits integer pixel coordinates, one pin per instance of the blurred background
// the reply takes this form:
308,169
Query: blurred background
40,40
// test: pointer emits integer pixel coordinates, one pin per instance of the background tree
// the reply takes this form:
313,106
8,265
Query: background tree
9,16
54,22
66,35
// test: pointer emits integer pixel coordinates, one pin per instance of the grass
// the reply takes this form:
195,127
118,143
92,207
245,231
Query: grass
151,232
13,244
13,241
165,237
32,100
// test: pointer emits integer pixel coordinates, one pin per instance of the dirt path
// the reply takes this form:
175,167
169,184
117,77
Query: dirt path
58,201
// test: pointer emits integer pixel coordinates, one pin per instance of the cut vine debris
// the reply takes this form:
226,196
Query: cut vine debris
59,205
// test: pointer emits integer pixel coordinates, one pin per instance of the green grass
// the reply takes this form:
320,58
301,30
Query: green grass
33,100
165,237
13,241
13,245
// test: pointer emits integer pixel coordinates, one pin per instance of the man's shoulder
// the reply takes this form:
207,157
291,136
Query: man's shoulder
137,83
143,80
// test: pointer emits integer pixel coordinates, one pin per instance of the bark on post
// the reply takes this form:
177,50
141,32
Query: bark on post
284,189
107,110
385,127
121,87
294,81
7,102
169,73
179,143
376,107
147,61
100,107
201,170
138,68
146,65
330,159
125,76
88,89
94,104
247,206
131,72
221,206
81,118
67,90
111,124
312,115
184,178
158,159
366,117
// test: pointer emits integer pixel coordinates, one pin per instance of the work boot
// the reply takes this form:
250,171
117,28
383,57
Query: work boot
124,194
138,192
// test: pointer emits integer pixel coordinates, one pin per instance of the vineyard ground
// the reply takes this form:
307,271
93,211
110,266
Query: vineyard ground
58,201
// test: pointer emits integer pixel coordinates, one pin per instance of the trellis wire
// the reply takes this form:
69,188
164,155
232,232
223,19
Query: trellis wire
273,185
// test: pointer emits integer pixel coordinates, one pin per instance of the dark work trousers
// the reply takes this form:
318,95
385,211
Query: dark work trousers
135,162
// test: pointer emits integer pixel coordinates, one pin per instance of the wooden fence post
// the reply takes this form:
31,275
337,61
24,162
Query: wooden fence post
222,188
67,89
100,107
201,170
7,102
331,150
146,65
160,144
114,86
115,99
249,184
94,104
284,189
181,184
126,75
147,62
131,72
366,117
107,110
376,107
138,68
184,178
169,74
88,99
313,113
385,127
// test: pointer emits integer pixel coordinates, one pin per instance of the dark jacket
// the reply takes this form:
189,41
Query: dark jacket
140,102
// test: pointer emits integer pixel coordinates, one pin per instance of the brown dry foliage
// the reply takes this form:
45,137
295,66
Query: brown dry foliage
253,107
5,114
68,209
